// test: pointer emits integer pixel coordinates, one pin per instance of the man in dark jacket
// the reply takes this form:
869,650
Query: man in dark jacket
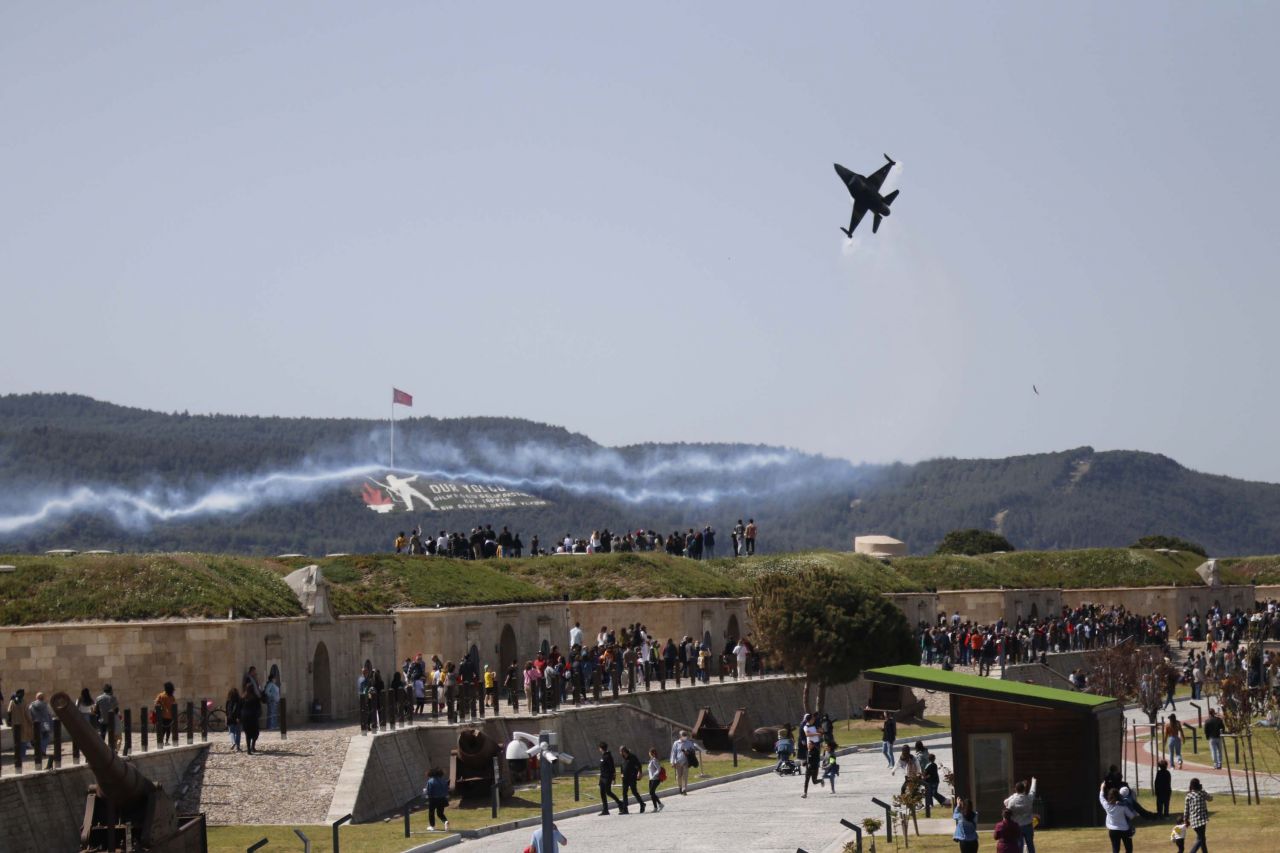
607,773
630,773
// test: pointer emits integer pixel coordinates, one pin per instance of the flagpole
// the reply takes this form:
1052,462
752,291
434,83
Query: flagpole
393,429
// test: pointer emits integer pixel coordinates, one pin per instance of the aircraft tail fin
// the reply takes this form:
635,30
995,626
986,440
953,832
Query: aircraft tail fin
891,196
875,224
847,232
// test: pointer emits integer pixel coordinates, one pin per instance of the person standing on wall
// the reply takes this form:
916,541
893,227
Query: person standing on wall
751,537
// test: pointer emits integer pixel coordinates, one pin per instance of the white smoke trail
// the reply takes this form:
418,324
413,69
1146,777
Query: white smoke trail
629,475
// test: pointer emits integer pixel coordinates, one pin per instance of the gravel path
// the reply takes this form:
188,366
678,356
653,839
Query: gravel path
289,781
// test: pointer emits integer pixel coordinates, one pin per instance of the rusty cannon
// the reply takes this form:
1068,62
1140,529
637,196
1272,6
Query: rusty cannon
124,810
473,762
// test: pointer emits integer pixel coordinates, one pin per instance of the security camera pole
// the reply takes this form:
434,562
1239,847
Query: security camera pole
545,752
544,767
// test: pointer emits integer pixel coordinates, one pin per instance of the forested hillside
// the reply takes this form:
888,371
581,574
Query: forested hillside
80,473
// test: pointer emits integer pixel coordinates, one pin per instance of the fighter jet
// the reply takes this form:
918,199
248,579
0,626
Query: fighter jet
866,195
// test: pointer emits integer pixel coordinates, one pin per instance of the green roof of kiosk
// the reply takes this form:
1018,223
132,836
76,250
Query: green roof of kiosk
978,687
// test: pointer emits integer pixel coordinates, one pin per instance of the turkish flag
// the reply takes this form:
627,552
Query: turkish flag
398,396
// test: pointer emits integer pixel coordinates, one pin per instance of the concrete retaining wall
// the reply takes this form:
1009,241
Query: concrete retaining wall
399,761
43,811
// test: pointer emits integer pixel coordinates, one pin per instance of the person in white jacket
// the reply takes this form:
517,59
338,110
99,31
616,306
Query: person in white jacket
1020,803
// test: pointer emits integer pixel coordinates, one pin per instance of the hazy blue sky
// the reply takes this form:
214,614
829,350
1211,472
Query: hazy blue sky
623,219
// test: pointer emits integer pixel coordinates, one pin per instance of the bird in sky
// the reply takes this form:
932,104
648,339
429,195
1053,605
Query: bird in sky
1037,390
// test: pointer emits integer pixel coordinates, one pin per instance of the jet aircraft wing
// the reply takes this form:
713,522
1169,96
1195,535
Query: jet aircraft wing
876,179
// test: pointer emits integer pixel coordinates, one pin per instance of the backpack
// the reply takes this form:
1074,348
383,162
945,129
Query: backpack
662,773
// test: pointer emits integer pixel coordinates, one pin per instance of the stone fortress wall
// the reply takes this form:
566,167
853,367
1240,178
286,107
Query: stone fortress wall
319,657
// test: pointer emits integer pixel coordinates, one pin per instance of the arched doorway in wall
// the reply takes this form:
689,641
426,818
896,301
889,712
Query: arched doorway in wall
321,690
732,632
1035,611
507,651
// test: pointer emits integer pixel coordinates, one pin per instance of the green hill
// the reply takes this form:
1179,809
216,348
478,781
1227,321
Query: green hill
156,586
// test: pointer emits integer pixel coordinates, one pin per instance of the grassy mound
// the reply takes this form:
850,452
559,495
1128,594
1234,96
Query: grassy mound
1094,567
375,583
156,586
1259,570
141,586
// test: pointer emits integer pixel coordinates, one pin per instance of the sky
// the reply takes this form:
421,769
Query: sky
624,219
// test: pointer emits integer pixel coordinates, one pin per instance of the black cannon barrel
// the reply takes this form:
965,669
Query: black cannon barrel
118,780
475,752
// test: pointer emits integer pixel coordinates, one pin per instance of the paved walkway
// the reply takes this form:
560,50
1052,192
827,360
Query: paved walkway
761,814
1195,765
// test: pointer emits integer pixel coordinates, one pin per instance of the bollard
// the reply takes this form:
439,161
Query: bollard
191,723
576,793
128,730
364,715
735,753
284,729
75,752
888,817
408,830
306,842
57,743
435,702
17,754
857,831
480,694
662,675
204,720
262,842
497,787
337,823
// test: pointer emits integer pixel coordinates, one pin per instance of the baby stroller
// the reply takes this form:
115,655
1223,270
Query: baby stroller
786,766
784,748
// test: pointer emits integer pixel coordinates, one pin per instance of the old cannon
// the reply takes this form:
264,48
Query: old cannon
125,810
472,764
718,737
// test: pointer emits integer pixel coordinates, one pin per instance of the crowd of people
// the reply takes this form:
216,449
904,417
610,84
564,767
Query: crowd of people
548,679
961,642
33,722
483,542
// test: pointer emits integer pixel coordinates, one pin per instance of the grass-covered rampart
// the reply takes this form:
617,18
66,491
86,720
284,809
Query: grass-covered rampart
155,586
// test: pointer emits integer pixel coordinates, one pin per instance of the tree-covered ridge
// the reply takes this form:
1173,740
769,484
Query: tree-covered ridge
50,443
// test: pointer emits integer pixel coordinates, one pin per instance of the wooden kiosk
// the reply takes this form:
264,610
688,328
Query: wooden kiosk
1004,731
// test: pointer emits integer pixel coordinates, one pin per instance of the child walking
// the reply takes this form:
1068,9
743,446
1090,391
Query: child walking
830,769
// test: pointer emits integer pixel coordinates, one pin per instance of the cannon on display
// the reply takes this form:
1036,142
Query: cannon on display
124,810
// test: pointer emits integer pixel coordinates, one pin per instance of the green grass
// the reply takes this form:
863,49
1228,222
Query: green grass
1231,827
1259,570
1095,567
143,586
149,586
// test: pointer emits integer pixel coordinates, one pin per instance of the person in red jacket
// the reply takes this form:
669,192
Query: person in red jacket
1008,834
